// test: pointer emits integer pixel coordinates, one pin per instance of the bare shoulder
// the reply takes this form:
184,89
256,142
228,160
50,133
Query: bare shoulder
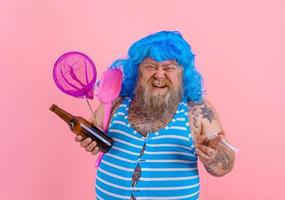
205,117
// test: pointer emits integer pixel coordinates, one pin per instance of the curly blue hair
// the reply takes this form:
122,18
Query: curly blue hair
161,46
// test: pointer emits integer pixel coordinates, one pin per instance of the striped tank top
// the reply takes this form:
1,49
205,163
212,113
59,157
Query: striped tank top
162,165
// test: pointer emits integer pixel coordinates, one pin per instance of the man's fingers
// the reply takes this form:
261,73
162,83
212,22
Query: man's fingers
85,142
208,151
95,151
216,142
202,139
203,157
91,146
78,138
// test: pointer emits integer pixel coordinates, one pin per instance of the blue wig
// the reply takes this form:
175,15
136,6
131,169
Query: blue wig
161,46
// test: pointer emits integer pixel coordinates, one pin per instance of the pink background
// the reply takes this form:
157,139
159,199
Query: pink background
239,47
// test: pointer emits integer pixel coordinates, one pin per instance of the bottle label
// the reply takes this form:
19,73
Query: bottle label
71,123
95,134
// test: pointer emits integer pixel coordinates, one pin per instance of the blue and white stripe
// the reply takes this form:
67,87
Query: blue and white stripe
168,164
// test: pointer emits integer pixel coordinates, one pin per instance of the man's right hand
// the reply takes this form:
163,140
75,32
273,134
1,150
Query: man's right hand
88,144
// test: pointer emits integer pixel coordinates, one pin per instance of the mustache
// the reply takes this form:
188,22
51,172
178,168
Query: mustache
158,105
159,82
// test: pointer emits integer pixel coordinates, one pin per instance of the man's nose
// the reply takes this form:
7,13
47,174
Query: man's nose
159,74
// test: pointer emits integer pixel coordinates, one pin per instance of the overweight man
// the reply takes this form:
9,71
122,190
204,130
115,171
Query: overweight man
161,124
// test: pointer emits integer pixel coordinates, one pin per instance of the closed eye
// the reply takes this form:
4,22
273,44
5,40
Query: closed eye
170,68
149,67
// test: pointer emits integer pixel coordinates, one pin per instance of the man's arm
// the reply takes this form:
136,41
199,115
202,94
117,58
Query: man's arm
97,120
218,158
98,116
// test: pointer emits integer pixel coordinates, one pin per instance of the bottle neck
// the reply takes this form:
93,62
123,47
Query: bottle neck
65,116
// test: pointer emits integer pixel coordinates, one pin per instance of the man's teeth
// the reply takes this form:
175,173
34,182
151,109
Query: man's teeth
159,86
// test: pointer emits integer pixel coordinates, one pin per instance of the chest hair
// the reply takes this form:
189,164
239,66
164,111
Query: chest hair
145,122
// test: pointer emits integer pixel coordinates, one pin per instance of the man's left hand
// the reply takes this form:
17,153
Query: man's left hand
217,158
207,149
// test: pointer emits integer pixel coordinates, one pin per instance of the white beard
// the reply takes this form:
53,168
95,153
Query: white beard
157,106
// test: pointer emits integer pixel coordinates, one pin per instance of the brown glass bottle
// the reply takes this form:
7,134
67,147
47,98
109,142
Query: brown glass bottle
81,126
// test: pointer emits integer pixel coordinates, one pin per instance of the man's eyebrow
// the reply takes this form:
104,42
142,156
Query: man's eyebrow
147,63
171,63
164,64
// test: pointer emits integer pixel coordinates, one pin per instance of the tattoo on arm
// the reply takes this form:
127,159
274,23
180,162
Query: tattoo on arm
201,108
207,112
222,157
193,108
223,163
210,170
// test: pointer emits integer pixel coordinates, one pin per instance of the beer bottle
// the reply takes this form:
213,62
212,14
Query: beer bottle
81,126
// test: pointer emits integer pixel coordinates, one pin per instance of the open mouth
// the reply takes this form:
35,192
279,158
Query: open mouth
159,86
